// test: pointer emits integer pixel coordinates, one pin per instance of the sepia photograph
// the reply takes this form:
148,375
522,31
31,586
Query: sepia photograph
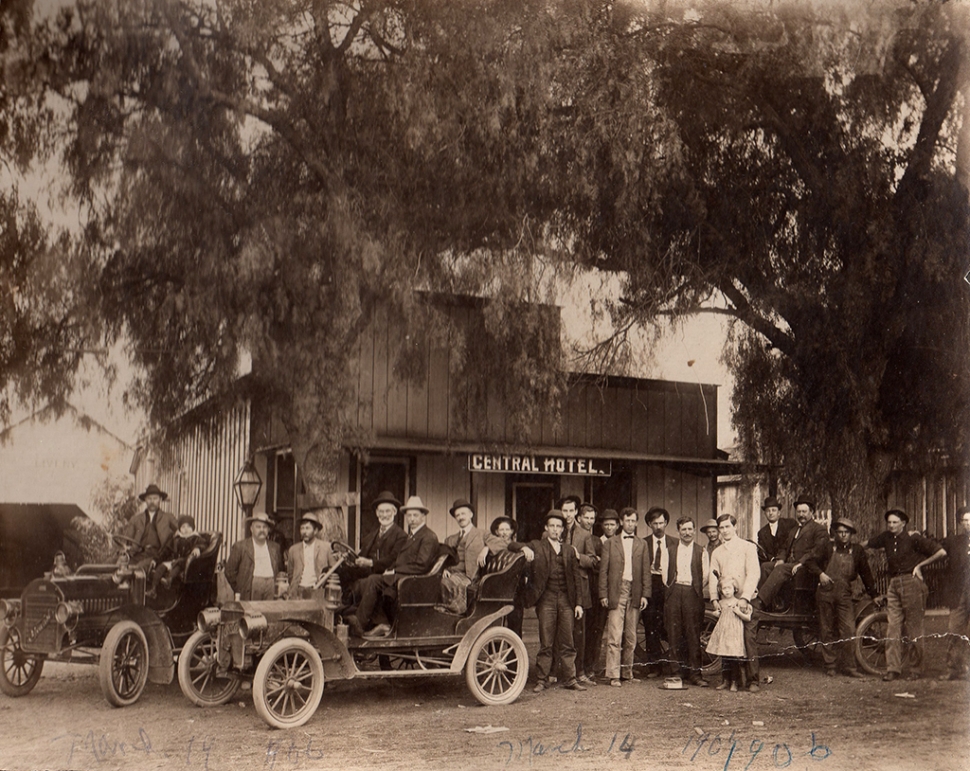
484,384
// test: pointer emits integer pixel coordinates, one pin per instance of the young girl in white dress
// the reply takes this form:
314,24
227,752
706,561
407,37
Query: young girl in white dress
727,639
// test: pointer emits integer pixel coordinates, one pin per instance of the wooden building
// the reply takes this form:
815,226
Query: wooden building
618,442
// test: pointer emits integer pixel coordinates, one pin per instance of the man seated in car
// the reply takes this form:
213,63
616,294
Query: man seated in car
806,550
416,557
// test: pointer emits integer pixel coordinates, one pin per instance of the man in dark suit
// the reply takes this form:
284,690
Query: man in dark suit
254,562
152,530
378,548
624,590
807,550
773,537
957,547
687,574
580,537
659,546
555,576
416,557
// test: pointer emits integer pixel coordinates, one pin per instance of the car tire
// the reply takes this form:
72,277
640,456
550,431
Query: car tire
288,684
710,662
123,669
497,666
197,673
19,671
870,644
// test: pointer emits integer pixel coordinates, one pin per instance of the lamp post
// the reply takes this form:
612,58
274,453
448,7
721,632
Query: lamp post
247,486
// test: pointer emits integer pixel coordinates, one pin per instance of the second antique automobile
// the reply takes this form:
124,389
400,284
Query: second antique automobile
103,615
290,648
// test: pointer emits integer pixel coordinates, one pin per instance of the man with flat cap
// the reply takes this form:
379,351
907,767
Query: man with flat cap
836,610
309,559
152,530
957,596
773,537
416,558
254,562
555,573
709,529
806,549
609,521
906,556
467,543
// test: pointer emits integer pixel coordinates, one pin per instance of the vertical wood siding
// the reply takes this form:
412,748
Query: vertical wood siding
200,471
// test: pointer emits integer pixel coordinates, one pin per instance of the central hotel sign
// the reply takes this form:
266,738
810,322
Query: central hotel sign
540,464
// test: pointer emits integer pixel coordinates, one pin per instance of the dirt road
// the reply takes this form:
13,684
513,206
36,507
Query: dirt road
803,720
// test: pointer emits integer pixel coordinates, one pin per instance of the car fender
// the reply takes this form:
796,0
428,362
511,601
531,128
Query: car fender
465,646
161,656
338,664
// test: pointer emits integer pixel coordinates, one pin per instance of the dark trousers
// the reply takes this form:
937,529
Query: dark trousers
374,589
751,650
683,615
653,625
836,624
595,628
555,616
579,642
957,646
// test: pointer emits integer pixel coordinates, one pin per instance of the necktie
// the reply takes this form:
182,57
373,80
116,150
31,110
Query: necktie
656,554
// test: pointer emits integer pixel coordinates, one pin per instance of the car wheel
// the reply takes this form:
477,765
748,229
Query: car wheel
870,644
289,683
19,671
198,675
710,662
808,641
497,666
123,669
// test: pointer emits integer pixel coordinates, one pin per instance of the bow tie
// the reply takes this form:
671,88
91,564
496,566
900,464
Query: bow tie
629,536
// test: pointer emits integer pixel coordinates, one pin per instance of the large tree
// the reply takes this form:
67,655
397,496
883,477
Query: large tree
261,176
807,187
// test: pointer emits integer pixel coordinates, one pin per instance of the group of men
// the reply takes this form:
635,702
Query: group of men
583,585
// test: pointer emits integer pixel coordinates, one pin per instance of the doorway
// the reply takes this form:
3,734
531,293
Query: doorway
529,501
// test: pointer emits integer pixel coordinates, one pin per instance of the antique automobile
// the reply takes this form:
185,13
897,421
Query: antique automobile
104,614
290,648
795,611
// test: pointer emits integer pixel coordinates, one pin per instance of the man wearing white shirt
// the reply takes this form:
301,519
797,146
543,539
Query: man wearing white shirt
309,559
253,562
659,546
624,589
738,558
687,574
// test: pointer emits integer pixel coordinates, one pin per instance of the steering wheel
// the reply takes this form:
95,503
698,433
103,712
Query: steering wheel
125,543
346,549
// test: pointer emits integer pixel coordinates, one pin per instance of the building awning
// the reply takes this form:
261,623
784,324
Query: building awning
718,466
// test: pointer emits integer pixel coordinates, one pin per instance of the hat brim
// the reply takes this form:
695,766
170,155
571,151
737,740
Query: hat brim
422,509
161,495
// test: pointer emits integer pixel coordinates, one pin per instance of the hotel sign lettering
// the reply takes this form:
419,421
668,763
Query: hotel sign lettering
540,464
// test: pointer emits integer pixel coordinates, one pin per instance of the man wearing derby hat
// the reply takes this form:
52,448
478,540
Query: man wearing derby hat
152,529
415,558
555,573
254,562
836,611
906,555
773,537
467,544
309,559
805,550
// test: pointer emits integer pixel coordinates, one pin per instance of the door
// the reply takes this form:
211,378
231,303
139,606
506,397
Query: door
531,502
380,474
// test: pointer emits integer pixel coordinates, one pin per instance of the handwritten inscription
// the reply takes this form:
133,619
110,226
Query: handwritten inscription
531,748
740,754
